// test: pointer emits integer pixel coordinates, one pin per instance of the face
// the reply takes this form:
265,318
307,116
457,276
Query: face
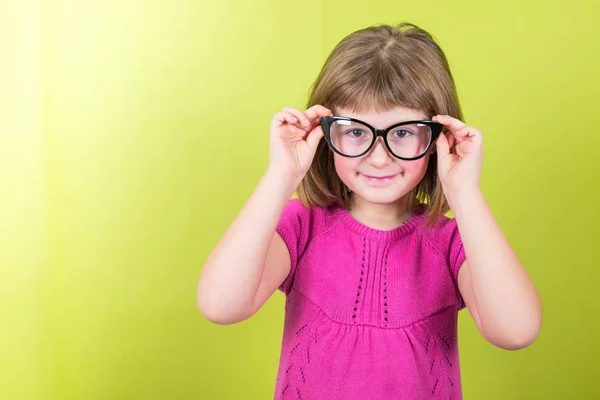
378,177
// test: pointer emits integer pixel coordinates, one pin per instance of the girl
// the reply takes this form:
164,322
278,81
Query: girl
373,272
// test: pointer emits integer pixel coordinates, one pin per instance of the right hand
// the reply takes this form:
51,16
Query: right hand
294,138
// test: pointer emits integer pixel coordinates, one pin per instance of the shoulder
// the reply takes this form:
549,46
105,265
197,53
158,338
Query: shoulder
441,234
295,210
310,220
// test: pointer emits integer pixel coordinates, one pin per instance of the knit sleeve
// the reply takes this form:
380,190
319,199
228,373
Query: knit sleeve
455,252
293,227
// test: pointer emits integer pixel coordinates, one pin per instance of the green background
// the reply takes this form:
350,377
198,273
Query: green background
131,133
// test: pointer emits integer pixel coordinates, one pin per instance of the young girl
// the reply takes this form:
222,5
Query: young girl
373,272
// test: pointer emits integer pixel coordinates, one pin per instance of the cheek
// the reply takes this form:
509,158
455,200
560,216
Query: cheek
345,167
416,169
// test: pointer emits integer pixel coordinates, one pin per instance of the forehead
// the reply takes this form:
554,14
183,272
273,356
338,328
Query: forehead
383,119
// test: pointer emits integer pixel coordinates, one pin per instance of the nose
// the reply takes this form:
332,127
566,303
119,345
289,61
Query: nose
379,155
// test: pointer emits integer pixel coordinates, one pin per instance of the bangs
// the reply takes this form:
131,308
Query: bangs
379,87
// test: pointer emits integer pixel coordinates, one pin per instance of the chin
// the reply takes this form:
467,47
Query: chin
380,196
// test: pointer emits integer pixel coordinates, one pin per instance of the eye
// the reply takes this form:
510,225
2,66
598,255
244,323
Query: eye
355,133
402,133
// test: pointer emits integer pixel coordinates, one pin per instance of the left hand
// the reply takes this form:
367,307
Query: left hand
460,169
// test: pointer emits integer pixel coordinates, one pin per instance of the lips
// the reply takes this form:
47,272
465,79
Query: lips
380,178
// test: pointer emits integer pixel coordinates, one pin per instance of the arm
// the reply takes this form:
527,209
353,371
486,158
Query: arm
496,288
250,261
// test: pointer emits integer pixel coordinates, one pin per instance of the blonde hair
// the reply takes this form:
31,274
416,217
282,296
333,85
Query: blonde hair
377,69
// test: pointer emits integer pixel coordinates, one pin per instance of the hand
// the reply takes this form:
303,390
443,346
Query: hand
294,138
460,169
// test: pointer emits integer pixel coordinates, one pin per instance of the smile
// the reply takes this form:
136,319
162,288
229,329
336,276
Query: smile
380,179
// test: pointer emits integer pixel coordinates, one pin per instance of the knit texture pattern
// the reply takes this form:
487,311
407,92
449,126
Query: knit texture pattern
370,314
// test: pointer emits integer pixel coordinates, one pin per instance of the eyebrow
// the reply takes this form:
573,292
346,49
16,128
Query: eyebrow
395,123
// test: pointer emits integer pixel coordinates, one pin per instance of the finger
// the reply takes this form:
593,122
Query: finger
449,122
298,114
284,116
296,131
317,111
469,133
442,147
451,140
465,132
314,137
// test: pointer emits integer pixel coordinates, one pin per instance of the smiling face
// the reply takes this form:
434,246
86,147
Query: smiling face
378,177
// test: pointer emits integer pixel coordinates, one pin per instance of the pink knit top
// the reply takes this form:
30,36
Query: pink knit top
370,314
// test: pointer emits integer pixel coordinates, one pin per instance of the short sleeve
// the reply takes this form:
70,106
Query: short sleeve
293,227
455,252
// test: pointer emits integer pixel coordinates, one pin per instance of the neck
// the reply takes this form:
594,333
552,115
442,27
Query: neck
382,216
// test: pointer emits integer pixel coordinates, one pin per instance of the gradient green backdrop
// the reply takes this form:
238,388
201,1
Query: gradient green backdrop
131,132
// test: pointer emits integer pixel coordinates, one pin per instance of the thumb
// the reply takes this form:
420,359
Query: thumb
314,137
442,147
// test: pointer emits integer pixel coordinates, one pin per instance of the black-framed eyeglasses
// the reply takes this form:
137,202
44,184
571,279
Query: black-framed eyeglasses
409,140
